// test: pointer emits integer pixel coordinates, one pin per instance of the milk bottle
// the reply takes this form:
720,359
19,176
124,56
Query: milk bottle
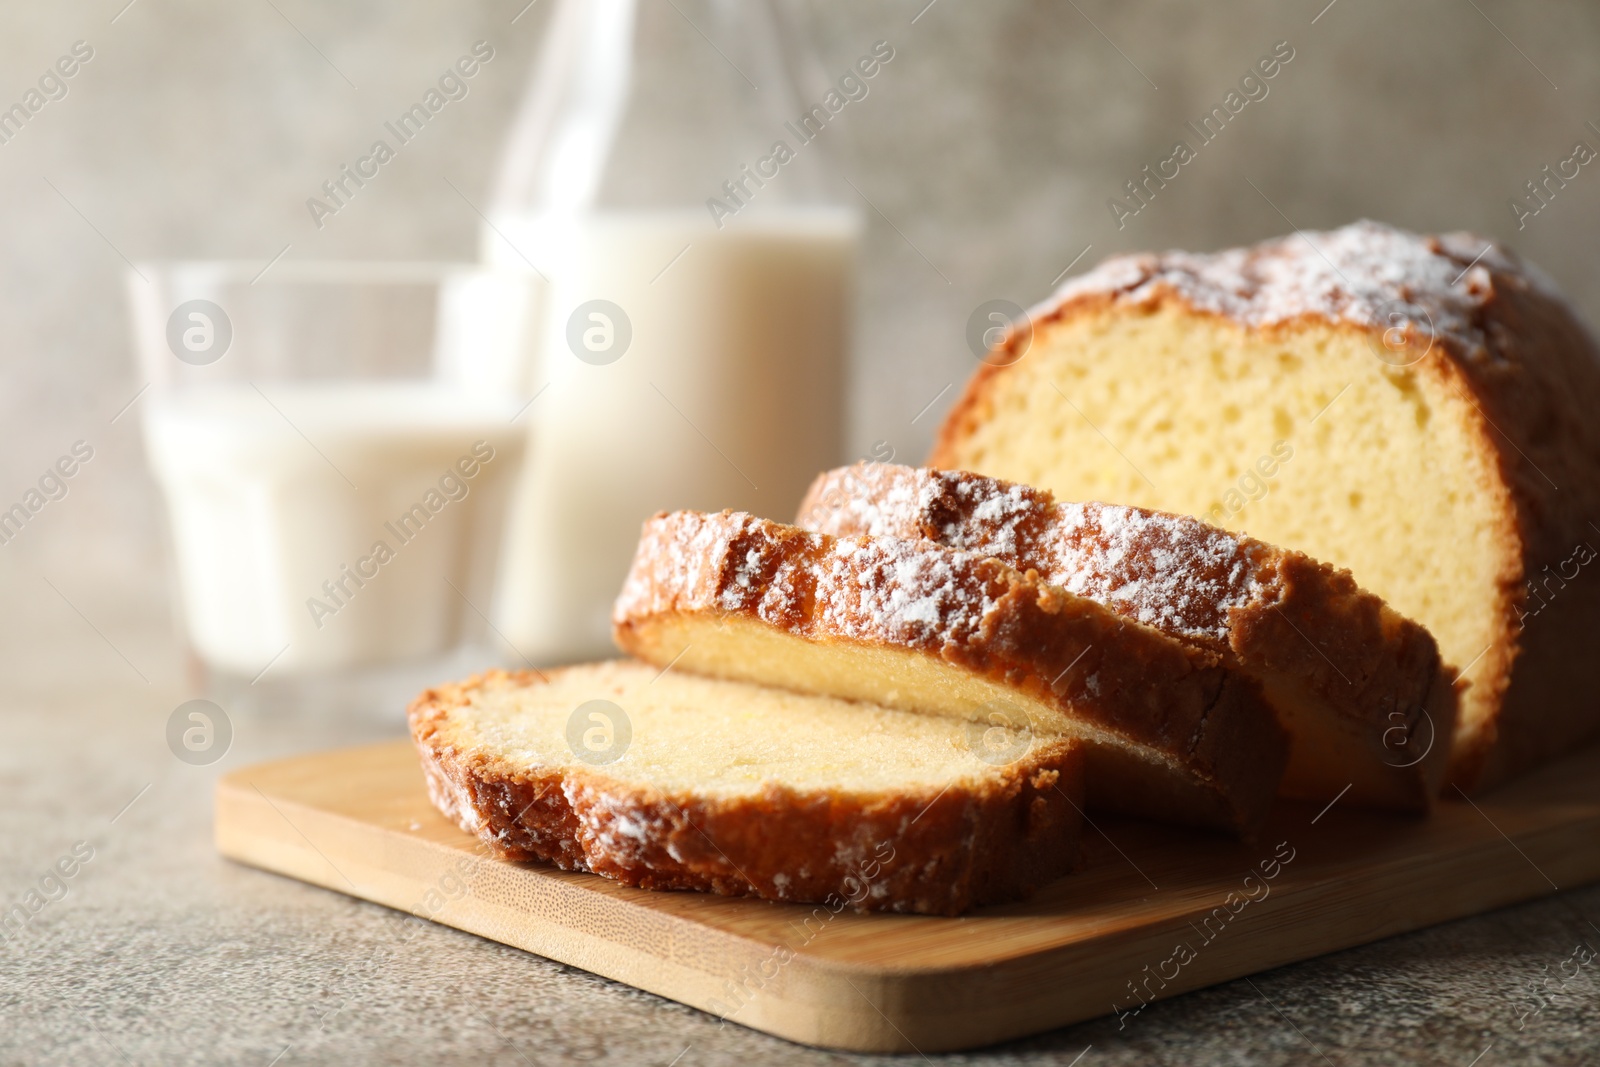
695,315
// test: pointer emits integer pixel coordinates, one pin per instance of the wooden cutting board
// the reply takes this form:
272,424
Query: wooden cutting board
1159,911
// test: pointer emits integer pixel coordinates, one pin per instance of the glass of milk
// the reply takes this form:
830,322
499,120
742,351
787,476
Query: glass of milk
336,443
669,181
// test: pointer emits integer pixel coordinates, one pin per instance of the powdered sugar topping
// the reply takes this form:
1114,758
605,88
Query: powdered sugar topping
910,592
1366,274
1168,571
1171,572
873,588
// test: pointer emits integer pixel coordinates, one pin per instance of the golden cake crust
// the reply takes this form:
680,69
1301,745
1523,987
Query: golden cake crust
1478,323
996,839
1084,662
1301,628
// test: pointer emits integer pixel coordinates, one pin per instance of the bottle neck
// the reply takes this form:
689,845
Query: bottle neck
666,107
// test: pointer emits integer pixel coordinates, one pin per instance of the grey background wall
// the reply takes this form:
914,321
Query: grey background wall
988,148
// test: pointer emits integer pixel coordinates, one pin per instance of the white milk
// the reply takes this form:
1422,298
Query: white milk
728,395
264,512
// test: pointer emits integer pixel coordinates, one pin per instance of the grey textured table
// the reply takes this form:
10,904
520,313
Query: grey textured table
160,952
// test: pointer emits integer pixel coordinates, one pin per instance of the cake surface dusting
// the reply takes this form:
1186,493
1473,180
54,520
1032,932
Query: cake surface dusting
1365,274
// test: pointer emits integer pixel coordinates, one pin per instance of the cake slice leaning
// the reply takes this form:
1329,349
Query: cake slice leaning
673,781
1367,702
1171,733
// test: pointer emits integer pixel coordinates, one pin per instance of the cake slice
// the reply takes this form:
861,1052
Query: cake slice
673,781
1419,410
1171,733
1360,689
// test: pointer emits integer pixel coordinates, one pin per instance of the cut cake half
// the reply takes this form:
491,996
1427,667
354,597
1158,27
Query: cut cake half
1420,410
674,781
1361,690
1171,734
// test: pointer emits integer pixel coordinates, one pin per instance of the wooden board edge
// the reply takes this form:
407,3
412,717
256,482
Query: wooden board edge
815,1001
1076,983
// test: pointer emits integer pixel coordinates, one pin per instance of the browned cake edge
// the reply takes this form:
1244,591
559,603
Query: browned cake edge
1338,651
1303,629
929,852
1210,726
1498,335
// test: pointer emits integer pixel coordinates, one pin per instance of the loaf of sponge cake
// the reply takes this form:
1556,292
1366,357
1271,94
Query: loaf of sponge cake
1419,410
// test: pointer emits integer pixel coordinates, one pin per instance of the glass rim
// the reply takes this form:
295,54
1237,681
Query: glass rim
313,271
